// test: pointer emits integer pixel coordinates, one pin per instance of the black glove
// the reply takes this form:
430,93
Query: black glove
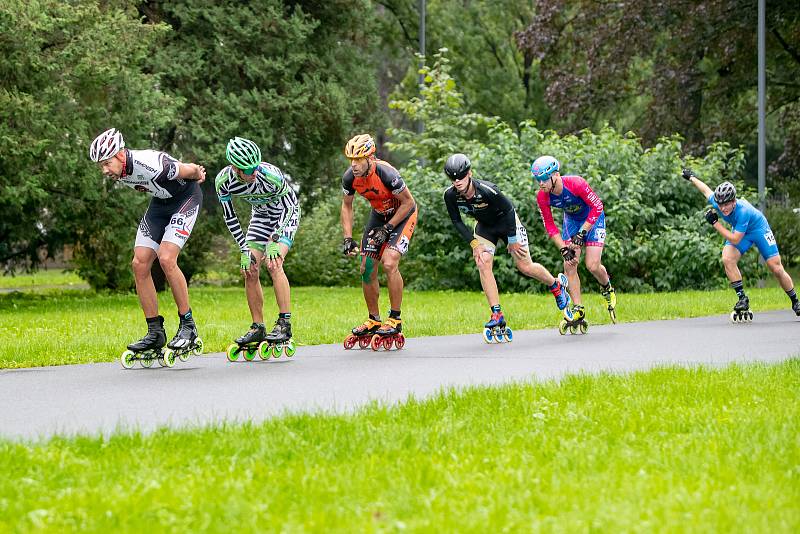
568,253
688,174
380,234
711,216
579,239
349,247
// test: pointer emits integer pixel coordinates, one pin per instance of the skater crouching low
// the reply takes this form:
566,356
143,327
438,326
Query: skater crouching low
496,220
748,227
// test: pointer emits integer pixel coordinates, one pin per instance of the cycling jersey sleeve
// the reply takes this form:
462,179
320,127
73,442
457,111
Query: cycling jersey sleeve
347,183
455,216
581,188
510,217
229,214
169,168
543,200
391,179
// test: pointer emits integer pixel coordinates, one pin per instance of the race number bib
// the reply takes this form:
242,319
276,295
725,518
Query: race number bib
600,235
770,238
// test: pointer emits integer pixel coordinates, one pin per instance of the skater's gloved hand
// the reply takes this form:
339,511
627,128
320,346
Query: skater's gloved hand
579,239
568,253
273,251
380,234
711,216
688,174
349,247
246,260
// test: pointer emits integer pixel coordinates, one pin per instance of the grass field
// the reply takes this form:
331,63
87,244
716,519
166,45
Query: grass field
64,327
669,450
41,279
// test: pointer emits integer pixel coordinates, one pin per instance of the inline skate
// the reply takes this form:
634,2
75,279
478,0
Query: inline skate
247,345
576,324
390,332
186,341
496,330
150,348
741,311
279,341
362,334
611,301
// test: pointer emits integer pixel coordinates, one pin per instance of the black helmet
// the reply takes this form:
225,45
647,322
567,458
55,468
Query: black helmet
725,192
457,166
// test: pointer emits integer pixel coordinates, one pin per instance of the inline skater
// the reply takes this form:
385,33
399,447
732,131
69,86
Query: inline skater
275,217
496,219
584,226
386,236
167,224
748,227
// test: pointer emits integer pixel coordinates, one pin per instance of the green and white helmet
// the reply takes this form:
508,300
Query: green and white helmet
243,154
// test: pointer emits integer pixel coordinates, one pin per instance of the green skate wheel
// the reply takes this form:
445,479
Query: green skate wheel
127,359
562,327
291,348
573,329
249,353
147,361
233,352
264,350
184,355
583,327
168,360
277,351
198,348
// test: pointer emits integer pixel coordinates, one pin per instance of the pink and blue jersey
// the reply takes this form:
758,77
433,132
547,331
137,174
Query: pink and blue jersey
580,204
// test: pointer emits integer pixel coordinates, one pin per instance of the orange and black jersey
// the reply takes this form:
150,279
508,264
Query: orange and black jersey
379,187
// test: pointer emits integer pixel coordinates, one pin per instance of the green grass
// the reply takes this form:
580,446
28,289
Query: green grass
41,279
669,450
64,327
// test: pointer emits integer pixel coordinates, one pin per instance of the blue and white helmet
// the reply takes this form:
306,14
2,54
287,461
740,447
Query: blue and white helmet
106,145
544,167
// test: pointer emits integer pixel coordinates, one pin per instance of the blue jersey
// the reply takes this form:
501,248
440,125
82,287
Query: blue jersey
751,222
744,218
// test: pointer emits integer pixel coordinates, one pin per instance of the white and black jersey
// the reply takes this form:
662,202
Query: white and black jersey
274,205
175,205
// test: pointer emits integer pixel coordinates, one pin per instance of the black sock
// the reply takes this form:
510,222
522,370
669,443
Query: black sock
739,288
186,316
792,295
607,286
287,315
496,308
394,314
375,317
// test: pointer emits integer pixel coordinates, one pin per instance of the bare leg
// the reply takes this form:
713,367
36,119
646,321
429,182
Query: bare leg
730,260
143,258
168,258
571,270
391,263
488,282
595,266
371,289
253,290
776,266
280,284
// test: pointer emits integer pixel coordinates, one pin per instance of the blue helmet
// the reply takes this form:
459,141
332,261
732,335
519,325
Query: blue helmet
544,167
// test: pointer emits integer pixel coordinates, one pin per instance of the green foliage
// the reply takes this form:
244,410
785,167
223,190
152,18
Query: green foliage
657,238
290,76
65,77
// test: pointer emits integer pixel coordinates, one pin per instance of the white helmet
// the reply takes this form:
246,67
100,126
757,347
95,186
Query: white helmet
106,145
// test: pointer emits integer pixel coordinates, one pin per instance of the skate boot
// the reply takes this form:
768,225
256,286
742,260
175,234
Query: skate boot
611,300
186,342
247,345
150,348
741,311
563,300
796,307
362,334
390,332
495,329
577,324
279,341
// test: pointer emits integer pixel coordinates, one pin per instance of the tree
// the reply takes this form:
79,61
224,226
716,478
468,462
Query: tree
295,77
669,66
69,71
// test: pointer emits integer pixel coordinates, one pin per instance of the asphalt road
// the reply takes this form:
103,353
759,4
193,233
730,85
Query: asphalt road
101,398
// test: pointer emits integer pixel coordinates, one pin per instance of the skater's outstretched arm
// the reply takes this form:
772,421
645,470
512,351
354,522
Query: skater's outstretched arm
191,171
347,216
688,175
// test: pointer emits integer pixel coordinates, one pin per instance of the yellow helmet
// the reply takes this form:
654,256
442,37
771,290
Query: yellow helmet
360,146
